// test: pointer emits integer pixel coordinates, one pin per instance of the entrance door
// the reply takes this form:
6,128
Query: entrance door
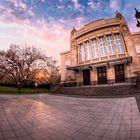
86,77
102,78
119,73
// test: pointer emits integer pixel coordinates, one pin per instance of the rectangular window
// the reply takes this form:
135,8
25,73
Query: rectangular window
110,44
81,52
95,49
87,50
119,43
102,46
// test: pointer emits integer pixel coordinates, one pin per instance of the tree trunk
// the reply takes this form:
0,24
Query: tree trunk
19,89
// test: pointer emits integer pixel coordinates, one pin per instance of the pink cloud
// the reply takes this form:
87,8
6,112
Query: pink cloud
50,39
115,4
132,26
78,22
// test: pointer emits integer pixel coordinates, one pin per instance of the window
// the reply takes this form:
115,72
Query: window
87,50
119,43
102,46
81,52
110,44
95,49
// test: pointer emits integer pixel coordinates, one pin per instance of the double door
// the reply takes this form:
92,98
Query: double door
102,76
86,77
119,73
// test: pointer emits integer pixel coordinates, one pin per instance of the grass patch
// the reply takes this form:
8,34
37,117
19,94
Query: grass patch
5,89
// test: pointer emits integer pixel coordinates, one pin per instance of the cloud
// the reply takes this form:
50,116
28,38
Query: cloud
34,22
42,0
51,39
15,10
30,12
18,4
115,5
91,4
76,4
78,22
132,26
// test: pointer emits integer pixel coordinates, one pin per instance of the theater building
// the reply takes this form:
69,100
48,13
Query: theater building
102,52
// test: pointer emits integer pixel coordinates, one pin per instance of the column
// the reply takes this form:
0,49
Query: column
91,49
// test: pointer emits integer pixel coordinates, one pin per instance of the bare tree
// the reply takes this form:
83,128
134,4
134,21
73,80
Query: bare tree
20,63
53,69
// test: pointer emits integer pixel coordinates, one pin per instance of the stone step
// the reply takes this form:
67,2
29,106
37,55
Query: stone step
98,90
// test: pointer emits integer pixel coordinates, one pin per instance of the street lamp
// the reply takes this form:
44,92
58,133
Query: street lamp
137,15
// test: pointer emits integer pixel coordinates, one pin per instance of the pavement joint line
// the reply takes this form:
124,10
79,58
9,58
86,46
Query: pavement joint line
48,110
112,120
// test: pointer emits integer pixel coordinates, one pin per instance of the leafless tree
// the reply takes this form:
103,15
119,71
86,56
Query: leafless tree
19,64
54,72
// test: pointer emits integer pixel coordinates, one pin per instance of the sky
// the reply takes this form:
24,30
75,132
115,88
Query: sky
46,24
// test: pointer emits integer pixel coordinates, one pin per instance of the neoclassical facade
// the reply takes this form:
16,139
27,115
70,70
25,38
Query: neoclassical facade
102,52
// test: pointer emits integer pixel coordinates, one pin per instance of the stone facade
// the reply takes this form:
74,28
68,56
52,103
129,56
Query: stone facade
102,52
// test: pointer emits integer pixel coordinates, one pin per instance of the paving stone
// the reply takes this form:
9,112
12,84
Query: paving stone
107,138
123,135
110,134
1,136
135,134
98,133
25,137
52,117
136,127
91,137
79,136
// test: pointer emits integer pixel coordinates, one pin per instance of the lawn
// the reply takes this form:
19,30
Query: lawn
5,89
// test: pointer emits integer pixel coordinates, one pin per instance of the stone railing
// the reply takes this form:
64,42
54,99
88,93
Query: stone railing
122,55
112,56
105,58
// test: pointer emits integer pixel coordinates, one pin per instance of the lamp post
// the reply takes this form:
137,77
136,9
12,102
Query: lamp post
137,16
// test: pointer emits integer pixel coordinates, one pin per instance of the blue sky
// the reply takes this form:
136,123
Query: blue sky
47,23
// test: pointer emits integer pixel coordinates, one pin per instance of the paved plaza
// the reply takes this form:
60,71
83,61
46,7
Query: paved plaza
52,117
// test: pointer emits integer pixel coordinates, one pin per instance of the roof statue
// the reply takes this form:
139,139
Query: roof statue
118,15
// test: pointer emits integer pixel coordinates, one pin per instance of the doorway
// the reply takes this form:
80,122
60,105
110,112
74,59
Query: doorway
102,77
119,73
86,77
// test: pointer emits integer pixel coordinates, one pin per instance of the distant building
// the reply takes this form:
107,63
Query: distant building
102,52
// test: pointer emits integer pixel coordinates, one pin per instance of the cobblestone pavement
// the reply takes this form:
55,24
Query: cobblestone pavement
51,117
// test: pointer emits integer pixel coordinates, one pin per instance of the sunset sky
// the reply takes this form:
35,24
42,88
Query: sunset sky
46,24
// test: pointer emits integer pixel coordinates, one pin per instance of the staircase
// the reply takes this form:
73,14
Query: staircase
99,90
